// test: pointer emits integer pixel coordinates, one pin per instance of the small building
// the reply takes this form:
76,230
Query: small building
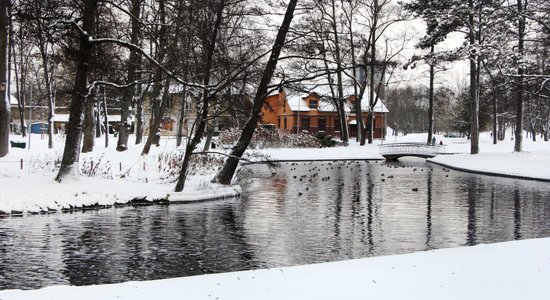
312,112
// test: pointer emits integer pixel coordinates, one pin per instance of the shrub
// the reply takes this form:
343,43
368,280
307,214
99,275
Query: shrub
325,140
268,138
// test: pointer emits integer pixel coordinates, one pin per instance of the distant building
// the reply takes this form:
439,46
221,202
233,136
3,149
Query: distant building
312,112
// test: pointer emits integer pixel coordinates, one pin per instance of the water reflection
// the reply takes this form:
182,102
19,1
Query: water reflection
305,213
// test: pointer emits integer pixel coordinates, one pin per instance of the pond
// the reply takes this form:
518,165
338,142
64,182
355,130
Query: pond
297,213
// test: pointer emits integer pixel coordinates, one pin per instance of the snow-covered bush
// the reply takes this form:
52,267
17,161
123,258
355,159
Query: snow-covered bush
268,138
202,165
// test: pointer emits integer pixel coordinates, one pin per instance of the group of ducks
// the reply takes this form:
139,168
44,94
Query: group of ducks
314,171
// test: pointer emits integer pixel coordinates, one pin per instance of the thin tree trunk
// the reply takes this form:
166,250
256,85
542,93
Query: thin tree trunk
341,100
105,117
202,118
20,98
226,173
129,92
139,116
181,118
4,98
71,152
156,98
431,100
474,99
49,88
370,125
97,116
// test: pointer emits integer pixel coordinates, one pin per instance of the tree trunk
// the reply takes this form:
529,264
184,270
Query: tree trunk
97,117
226,173
370,125
474,96
89,125
209,134
157,100
154,129
19,94
495,116
4,97
139,117
105,117
202,118
181,118
129,92
71,152
431,100
520,88
341,100
49,89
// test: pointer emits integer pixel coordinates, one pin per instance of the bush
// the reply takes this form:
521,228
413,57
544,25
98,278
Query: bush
268,138
325,140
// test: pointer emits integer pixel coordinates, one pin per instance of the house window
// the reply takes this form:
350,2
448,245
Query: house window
285,123
322,124
337,124
313,104
279,123
305,124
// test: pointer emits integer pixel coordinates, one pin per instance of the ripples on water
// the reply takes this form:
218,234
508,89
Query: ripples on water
338,210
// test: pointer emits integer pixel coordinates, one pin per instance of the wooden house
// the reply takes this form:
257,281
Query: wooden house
312,112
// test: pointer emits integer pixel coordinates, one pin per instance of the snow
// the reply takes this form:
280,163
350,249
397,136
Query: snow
511,270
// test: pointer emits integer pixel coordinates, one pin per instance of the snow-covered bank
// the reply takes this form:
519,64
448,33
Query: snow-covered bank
511,270
112,177
517,165
39,193
108,178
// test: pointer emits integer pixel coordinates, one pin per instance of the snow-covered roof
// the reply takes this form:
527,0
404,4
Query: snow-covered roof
322,88
297,103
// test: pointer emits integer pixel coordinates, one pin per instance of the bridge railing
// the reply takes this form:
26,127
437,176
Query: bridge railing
411,148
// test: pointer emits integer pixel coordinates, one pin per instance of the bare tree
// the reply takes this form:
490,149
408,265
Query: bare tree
129,94
202,118
227,172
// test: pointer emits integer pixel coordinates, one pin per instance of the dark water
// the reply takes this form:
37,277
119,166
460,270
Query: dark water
363,209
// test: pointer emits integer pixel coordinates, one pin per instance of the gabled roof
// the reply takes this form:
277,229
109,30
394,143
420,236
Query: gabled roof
296,102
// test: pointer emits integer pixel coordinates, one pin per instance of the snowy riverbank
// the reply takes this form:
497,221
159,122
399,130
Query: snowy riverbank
511,270
112,177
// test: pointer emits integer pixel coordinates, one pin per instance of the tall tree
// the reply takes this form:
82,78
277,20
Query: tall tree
202,117
4,97
228,170
81,92
520,79
129,94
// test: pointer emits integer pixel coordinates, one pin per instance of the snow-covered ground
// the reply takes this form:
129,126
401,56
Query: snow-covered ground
512,270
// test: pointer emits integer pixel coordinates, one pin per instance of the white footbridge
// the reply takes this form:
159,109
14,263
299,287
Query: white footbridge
393,151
